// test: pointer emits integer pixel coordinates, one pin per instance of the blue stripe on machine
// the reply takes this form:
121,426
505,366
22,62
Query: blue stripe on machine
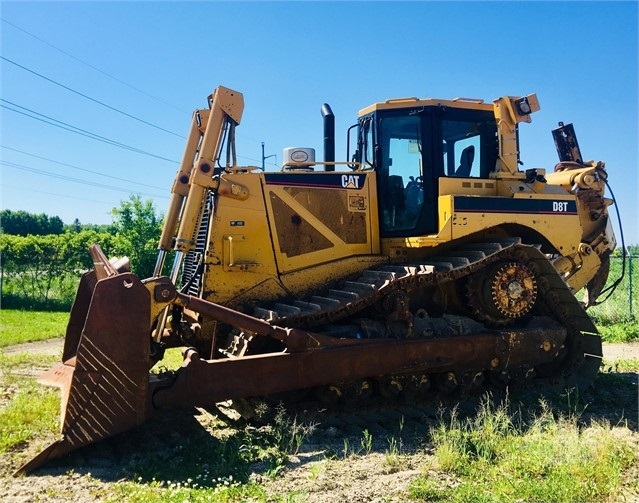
319,180
514,205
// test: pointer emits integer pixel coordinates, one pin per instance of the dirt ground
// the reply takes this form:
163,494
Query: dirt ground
373,477
625,351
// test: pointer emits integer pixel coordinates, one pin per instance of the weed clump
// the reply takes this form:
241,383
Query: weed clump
500,456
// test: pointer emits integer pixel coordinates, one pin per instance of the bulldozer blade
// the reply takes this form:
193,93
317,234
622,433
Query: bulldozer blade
104,375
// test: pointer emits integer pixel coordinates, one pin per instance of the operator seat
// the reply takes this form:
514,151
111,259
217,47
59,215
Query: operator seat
395,201
465,162
396,192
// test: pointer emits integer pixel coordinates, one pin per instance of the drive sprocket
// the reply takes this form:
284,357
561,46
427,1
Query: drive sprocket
503,293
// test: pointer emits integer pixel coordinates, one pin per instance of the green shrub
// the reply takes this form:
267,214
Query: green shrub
623,305
498,457
42,272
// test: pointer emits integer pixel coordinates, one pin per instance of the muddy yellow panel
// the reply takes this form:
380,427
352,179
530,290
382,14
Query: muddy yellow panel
238,251
318,217
552,216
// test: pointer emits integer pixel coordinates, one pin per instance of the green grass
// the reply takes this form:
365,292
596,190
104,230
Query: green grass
172,361
224,490
498,457
619,332
211,463
17,326
624,300
27,410
620,365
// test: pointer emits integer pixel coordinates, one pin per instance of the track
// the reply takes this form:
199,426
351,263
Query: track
576,365
374,284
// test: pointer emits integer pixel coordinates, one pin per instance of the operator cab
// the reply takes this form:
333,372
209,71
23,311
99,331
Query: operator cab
411,144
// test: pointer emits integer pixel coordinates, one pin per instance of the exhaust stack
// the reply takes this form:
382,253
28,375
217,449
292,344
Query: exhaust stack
329,136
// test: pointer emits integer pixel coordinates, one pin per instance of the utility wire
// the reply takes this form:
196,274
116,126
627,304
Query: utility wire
83,132
113,77
89,98
74,129
71,179
92,66
65,196
105,105
137,184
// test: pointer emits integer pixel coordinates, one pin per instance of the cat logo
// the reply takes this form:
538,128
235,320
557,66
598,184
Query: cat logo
351,181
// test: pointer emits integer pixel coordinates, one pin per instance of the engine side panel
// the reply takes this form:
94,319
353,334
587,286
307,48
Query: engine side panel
324,224
238,253
320,217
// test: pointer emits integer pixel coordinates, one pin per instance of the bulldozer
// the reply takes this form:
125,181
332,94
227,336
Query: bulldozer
426,261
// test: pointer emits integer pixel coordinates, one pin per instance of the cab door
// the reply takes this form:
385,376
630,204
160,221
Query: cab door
407,187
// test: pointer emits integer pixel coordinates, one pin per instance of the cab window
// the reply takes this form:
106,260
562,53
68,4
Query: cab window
469,147
401,182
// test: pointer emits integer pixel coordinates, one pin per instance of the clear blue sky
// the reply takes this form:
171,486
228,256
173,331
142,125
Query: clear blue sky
157,61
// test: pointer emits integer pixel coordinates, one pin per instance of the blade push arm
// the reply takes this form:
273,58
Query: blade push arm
194,175
226,108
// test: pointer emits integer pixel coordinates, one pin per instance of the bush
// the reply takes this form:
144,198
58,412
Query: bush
42,272
500,456
623,304
138,231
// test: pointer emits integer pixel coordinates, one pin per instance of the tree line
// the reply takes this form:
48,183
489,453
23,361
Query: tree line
42,259
22,223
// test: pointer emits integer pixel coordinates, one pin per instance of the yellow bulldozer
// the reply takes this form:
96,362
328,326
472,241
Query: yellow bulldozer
425,262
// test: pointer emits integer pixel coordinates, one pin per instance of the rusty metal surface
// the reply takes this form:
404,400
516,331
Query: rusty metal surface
102,269
294,339
578,363
205,382
107,388
105,385
78,315
376,283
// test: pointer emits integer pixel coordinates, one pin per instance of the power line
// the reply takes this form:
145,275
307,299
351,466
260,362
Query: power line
92,66
74,129
100,103
88,134
89,98
81,169
71,179
109,76
65,196
83,132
